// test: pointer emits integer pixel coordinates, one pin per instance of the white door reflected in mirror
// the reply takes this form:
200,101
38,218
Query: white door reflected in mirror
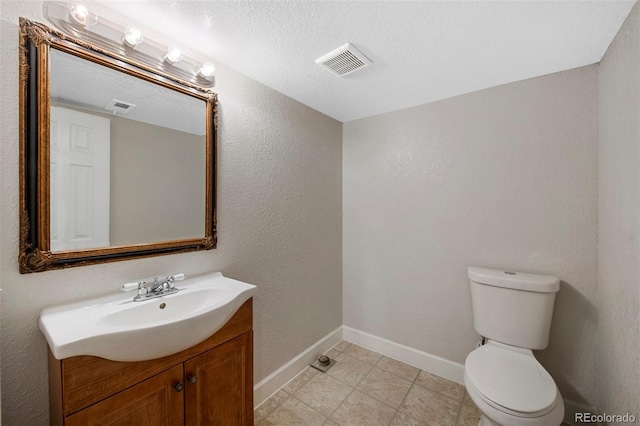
80,180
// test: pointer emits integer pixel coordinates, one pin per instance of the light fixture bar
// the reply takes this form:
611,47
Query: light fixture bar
132,42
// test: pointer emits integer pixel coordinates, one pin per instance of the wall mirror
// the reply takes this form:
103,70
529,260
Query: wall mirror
117,160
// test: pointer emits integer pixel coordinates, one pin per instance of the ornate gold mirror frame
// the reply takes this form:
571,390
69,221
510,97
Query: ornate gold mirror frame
36,42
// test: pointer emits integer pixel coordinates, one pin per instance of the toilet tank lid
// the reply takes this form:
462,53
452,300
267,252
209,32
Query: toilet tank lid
514,280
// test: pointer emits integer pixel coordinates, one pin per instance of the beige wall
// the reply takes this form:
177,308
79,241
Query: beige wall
619,223
502,178
157,183
279,227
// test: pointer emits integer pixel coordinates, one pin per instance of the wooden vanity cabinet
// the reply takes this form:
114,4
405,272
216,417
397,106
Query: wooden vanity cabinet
208,384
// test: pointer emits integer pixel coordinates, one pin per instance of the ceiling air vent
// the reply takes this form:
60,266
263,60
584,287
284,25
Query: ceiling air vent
119,107
344,60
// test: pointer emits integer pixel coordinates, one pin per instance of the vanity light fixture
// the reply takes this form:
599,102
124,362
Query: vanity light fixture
129,41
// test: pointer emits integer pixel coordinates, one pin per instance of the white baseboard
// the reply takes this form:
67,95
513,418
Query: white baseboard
424,361
274,381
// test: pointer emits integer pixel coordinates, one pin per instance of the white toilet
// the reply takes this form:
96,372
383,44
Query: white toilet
512,310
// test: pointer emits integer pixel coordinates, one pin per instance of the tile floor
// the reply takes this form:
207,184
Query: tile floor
368,389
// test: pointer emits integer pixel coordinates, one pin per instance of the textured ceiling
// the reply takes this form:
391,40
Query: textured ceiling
422,51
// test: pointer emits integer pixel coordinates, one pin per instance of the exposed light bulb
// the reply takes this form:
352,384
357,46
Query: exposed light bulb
173,55
207,70
81,15
132,36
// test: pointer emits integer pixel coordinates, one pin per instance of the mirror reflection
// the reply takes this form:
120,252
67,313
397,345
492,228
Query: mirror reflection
128,158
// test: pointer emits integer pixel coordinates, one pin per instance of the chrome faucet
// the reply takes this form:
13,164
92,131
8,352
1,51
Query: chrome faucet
158,288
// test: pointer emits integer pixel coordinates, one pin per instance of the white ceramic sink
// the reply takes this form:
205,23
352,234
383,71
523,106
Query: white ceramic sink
117,328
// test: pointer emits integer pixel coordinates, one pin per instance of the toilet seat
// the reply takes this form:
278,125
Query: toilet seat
511,380
491,416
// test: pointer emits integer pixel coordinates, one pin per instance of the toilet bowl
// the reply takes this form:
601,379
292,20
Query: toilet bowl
512,311
510,387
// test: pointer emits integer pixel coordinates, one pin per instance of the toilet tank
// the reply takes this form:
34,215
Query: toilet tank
513,307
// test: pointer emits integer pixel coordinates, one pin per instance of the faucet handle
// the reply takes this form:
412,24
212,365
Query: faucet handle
132,286
140,285
177,277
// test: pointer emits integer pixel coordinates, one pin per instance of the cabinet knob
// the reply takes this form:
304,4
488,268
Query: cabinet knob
193,380
179,387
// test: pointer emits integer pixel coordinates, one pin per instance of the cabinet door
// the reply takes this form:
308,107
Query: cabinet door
219,385
155,401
